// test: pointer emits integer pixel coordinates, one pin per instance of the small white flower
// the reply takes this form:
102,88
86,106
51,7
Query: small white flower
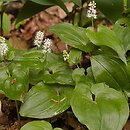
47,43
38,38
92,13
65,55
3,49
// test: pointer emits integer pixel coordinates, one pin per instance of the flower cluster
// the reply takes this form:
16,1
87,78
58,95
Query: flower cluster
46,46
3,47
65,55
38,38
40,42
92,13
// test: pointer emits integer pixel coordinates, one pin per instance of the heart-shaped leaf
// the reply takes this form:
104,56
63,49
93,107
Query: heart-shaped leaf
110,70
44,101
16,85
99,107
56,70
37,125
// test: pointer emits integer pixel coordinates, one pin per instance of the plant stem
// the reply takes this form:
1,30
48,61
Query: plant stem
17,109
125,4
93,23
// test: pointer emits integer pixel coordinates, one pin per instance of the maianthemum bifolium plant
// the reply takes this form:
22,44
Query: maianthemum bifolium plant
91,76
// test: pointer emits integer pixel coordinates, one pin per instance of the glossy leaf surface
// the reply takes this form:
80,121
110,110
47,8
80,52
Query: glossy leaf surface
74,56
73,36
44,101
106,37
122,30
56,70
16,85
37,125
110,70
97,106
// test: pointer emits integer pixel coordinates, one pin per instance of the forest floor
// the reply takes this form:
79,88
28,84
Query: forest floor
22,38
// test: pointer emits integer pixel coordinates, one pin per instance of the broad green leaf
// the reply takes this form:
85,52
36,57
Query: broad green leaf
33,63
128,68
110,70
99,107
52,2
122,30
56,70
106,37
45,101
74,56
3,75
6,23
90,74
31,9
78,73
73,36
34,76
36,6
16,85
37,125
112,9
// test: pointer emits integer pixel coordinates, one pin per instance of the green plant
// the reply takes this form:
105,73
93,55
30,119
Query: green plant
91,77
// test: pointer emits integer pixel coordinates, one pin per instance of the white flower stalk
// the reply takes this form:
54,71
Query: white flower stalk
46,46
3,47
38,38
92,13
65,55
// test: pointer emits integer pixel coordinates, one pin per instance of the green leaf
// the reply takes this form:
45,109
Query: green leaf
57,129
56,71
100,107
31,9
45,101
110,70
78,73
73,36
128,68
3,75
74,56
122,30
52,2
36,6
33,63
6,23
112,9
37,125
34,76
16,85
106,37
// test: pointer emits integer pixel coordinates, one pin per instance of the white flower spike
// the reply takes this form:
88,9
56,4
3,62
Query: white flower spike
92,13
65,55
3,47
38,38
47,43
